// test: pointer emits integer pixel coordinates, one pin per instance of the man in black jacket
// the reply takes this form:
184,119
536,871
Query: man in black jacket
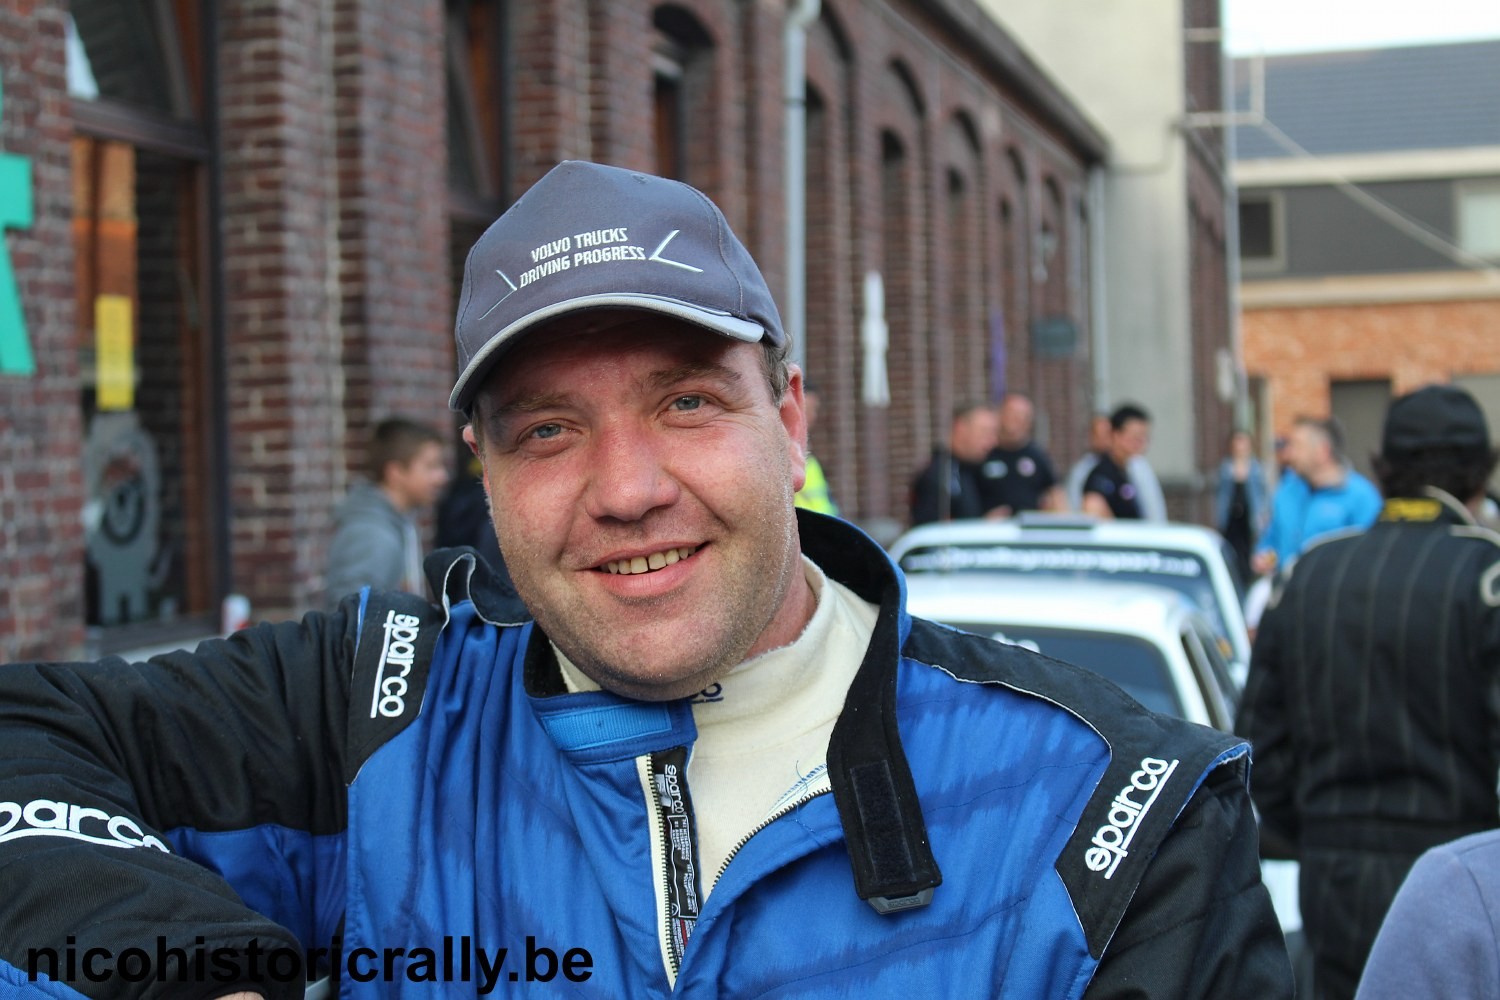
950,488
1370,702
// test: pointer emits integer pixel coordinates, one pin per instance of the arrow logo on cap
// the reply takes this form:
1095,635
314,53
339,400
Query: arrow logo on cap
656,254
503,297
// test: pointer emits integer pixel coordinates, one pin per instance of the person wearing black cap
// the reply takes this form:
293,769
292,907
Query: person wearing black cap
711,756
1370,698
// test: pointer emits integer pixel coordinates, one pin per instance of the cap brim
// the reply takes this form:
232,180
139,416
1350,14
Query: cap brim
474,373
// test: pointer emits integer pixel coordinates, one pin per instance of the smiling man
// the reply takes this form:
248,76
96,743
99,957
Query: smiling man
642,474
711,756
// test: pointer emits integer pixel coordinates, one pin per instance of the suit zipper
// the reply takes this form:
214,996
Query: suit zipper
674,853
820,787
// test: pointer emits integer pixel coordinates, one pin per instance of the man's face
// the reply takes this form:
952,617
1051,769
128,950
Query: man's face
1132,439
1016,419
641,479
420,480
975,434
1306,450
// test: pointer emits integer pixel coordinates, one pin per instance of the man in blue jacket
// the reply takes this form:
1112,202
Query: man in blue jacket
1321,494
711,756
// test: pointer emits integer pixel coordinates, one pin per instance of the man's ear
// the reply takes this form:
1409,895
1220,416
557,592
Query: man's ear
794,419
472,440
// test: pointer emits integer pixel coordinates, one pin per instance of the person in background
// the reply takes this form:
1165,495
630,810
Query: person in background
1017,474
814,494
1370,700
375,541
1109,492
1098,445
1319,494
1150,500
1441,937
1241,501
950,487
463,517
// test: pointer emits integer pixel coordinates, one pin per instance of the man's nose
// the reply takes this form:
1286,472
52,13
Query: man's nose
627,474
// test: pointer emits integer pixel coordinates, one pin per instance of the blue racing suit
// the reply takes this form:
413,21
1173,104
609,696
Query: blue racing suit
396,791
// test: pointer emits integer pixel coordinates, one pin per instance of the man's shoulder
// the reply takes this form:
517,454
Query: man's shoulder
1104,472
1152,764
366,503
1290,486
933,469
1037,453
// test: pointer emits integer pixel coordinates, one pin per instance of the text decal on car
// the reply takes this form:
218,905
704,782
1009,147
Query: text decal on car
1111,843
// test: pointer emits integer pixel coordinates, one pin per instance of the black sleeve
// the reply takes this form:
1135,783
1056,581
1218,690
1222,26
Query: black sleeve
99,761
1263,720
924,494
1201,924
1095,482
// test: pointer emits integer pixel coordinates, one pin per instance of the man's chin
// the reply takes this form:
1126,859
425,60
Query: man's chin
655,682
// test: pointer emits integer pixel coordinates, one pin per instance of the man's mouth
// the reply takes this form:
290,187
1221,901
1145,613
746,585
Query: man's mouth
648,563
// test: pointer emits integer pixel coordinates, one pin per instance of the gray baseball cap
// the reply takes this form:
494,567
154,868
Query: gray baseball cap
588,236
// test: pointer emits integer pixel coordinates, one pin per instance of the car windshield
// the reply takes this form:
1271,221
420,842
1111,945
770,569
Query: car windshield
1133,664
1183,572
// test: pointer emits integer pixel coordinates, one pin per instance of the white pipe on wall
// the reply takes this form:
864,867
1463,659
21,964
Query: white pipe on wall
799,17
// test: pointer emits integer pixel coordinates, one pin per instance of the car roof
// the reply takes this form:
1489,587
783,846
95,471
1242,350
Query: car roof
958,546
1138,609
1060,528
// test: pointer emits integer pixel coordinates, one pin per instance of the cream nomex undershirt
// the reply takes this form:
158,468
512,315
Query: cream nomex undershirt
764,728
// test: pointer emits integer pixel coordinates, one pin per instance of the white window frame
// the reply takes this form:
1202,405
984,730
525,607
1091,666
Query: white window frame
1275,263
1488,187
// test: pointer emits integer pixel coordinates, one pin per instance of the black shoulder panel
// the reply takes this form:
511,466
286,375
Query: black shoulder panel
1156,763
392,654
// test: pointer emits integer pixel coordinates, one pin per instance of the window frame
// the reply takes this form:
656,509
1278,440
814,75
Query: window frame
1462,191
1274,262
195,142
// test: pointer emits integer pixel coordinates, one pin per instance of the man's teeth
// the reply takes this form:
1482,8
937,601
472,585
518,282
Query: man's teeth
645,564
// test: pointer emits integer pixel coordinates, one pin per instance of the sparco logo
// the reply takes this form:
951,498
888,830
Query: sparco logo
1111,843
389,696
50,818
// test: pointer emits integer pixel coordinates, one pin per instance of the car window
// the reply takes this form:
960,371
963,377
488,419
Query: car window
1223,672
1132,663
1185,572
1199,647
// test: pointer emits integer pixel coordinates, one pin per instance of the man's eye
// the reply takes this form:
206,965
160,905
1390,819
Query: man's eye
686,403
545,431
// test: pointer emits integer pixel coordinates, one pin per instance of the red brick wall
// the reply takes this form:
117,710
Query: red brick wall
338,292
41,479
337,283
1299,351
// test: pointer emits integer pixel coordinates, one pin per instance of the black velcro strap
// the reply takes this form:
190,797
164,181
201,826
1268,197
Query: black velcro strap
875,799
393,652
894,868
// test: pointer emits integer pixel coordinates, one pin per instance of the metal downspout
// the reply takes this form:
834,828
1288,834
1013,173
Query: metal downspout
794,89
